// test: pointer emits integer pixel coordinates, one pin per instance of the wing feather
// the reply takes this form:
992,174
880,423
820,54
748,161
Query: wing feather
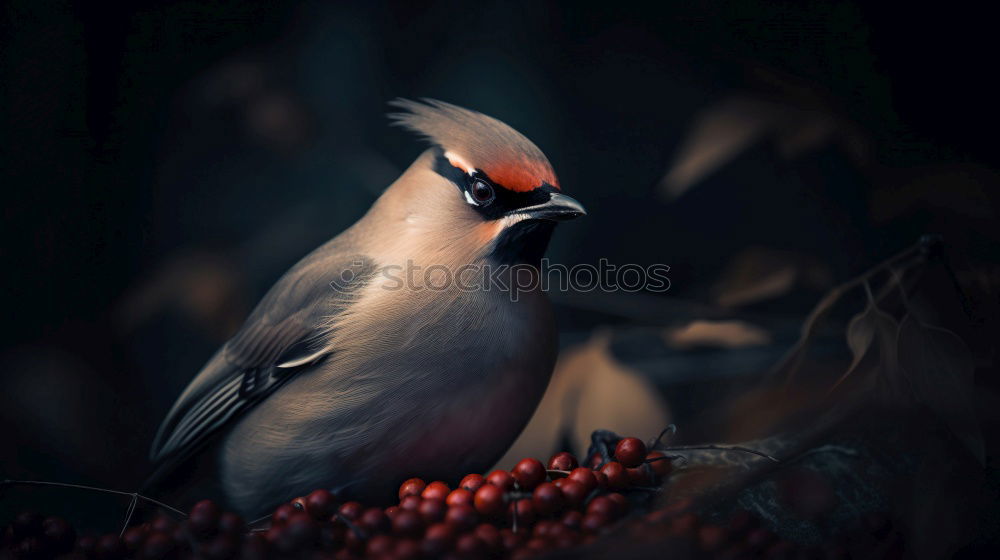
285,329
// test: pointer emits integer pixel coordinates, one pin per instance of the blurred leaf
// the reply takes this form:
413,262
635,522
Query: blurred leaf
757,274
717,136
769,285
717,334
940,368
589,390
723,131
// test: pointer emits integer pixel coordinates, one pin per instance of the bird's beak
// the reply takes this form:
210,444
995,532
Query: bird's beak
557,208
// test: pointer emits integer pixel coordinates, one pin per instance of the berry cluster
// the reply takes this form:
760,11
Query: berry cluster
528,510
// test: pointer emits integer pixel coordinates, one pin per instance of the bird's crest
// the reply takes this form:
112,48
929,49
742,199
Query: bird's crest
474,141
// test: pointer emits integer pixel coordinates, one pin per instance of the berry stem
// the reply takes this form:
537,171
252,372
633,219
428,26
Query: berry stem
350,525
671,429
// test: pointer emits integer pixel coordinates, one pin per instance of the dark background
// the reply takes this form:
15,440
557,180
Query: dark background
164,163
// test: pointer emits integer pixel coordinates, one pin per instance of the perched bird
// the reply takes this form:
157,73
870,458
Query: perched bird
397,348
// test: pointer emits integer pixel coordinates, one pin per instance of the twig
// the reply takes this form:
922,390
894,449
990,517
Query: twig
721,448
132,495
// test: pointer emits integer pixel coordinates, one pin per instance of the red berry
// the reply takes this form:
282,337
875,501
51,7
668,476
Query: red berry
162,524
489,500
593,522
222,547
602,505
565,540
232,524
472,482
630,452
301,530
529,473
544,528
469,546
490,536
374,520
436,490
621,502
412,487
525,512
281,514
432,511
438,539
380,544
502,479
660,465
321,503
133,538
584,476
410,503
712,538
407,524
353,541
594,460
564,461
537,544
331,537
510,540
641,476
158,545
617,475
110,547
574,493
572,519
59,534
351,510
299,503
602,479
204,518
460,496
547,499
406,549
461,517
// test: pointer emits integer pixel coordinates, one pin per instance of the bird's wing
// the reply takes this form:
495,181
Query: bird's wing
283,334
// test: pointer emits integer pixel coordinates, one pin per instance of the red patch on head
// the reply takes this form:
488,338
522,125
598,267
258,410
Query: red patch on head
522,176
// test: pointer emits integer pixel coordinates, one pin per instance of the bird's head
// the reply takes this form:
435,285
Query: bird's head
503,186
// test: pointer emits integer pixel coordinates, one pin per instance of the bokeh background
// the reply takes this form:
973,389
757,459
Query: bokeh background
164,163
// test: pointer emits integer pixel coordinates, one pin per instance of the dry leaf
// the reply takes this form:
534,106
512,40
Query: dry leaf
940,368
875,331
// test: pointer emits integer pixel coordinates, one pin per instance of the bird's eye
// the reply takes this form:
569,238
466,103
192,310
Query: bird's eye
482,192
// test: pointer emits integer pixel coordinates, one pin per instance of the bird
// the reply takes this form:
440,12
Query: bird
398,348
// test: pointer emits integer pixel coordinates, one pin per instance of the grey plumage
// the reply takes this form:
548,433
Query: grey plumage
341,378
